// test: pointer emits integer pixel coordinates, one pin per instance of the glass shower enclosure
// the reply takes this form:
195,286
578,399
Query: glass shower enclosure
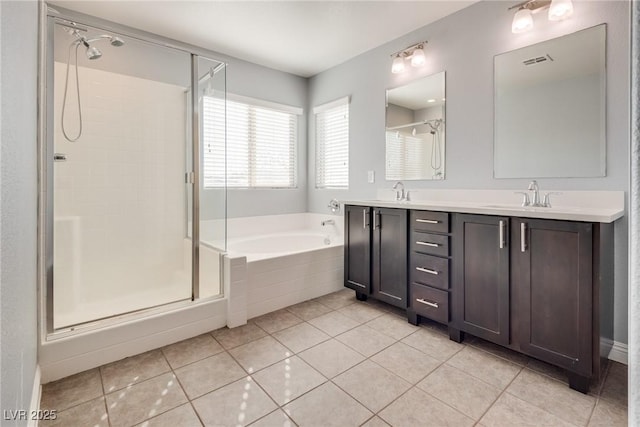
121,176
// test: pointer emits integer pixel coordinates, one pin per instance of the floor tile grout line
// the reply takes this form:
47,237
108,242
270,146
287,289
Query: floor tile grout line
504,390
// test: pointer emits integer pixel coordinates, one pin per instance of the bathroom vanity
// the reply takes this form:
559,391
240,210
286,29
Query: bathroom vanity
536,280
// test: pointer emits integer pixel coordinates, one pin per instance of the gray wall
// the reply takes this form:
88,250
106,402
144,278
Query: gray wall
464,45
18,341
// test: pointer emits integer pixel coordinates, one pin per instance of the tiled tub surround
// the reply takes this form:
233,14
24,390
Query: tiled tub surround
332,361
278,260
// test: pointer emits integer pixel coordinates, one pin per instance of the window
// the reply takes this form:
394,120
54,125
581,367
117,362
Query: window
332,144
261,144
405,155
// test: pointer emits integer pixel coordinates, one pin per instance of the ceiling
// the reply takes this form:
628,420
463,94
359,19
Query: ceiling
299,37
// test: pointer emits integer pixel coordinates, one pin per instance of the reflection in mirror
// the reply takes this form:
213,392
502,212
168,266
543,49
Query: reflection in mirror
550,108
415,130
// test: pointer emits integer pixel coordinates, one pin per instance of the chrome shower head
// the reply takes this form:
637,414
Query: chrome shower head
116,41
93,52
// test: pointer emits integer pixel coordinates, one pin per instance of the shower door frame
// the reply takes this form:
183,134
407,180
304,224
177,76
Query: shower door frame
47,20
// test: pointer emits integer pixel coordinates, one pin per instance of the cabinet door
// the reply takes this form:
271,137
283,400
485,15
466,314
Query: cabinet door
390,256
357,248
552,262
480,281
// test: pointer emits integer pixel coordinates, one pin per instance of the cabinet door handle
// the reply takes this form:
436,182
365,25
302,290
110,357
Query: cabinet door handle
501,234
376,219
433,245
391,296
364,218
427,270
523,237
429,303
428,221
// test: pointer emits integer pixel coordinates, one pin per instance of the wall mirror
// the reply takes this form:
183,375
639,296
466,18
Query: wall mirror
550,102
415,130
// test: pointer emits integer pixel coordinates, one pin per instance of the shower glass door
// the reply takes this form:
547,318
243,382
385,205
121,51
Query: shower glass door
121,227
211,123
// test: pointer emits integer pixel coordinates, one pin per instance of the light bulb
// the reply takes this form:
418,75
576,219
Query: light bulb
560,9
398,65
418,59
522,21
413,131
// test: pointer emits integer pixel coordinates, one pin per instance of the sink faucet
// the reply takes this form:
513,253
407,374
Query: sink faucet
399,192
535,201
328,222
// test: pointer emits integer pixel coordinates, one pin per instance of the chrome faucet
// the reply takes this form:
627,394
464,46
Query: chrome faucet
328,222
535,201
399,193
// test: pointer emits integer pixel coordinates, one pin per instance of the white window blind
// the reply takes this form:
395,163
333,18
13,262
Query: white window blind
406,156
332,144
261,145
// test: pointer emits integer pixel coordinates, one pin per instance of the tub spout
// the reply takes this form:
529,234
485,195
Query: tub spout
328,222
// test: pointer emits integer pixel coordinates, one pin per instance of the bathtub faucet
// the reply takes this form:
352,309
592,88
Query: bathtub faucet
328,222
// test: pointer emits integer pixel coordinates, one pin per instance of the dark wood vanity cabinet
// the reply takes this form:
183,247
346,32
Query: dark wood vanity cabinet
357,249
555,283
375,253
542,287
429,266
480,303
535,286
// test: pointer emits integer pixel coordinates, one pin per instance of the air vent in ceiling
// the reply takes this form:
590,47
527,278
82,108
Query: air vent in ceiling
537,60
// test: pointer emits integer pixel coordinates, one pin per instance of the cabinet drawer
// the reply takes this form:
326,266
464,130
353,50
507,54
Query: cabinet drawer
429,270
427,243
430,302
430,221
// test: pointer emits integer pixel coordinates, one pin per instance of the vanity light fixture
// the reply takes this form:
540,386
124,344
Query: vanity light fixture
415,53
523,19
398,65
560,9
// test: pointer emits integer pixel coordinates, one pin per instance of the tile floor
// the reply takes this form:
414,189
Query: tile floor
333,361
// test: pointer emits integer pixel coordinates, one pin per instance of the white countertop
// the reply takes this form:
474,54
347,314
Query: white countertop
597,206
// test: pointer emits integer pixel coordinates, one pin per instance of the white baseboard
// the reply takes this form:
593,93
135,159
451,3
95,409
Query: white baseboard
35,398
619,353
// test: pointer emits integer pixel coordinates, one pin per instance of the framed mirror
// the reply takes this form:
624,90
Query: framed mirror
550,104
415,130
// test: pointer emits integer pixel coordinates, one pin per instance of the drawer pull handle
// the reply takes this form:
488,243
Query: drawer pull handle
429,303
523,237
433,245
428,221
501,234
364,218
427,270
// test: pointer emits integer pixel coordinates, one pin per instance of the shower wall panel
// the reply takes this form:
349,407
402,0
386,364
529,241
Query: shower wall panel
119,205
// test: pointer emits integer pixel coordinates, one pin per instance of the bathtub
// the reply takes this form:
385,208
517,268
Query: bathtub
278,260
